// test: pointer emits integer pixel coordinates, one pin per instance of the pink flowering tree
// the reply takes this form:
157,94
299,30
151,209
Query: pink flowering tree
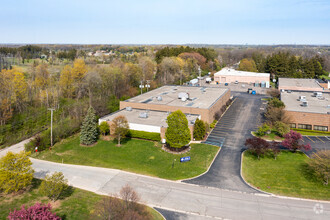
37,211
291,142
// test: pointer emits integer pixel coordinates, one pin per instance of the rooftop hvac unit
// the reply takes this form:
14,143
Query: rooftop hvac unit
317,94
304,104
143,115
184,99
302,98
159,98
129,108
183,94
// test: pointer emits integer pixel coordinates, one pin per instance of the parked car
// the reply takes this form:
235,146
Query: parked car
226,84
236,82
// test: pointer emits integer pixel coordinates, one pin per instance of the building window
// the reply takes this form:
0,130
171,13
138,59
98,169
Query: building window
292,125
303,126
320,128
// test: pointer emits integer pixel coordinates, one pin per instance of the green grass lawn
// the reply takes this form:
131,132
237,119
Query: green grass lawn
288,175
78,204
269,137
138,156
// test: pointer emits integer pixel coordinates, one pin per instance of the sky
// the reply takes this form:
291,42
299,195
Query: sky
165,21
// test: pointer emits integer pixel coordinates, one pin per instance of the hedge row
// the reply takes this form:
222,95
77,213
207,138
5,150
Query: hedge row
315,131
144,135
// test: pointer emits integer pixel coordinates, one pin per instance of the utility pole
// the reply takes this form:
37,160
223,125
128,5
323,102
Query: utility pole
51,126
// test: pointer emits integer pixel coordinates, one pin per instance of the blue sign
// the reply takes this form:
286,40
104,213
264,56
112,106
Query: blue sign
184,159
253,92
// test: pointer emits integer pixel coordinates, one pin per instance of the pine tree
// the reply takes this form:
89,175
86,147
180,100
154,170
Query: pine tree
89,133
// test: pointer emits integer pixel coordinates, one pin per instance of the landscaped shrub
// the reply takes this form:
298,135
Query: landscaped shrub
262,130
199,130
320,164
281,128
104,128
291,142
154,136
314,131
212,125
16,172
37,211
53,185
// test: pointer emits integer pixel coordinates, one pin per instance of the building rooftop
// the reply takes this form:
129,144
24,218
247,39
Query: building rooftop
232,72
154,118
299,83
315,104
198,97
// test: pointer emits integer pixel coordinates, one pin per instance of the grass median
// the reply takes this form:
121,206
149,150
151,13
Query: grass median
138,156
288,175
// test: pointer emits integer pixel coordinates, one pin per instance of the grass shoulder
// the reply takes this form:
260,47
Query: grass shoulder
78,204
135,155
288,175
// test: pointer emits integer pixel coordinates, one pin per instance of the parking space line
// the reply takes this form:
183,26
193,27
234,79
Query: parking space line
310,139
219,132
320,139
327,138
302,140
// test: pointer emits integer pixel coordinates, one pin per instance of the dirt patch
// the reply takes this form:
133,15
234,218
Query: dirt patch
173,150
55,204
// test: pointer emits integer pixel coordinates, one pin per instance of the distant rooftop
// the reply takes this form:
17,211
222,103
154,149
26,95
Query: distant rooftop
154,118
315,105
199,97
232,72
298,83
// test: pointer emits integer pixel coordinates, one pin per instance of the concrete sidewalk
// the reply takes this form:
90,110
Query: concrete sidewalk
186,198
14,148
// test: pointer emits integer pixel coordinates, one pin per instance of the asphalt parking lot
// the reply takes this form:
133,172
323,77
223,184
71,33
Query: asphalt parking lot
317,143
230,133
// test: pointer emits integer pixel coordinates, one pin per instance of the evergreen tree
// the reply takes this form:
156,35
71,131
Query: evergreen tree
89,133
199,129
178,133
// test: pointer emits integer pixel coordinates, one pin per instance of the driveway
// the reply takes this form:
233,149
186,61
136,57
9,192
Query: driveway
233,129
186,201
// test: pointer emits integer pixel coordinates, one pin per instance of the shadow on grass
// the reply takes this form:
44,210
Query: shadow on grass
122,141
66,193
308,173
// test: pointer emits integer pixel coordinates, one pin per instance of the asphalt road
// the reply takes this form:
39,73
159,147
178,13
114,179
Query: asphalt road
186,201
233,128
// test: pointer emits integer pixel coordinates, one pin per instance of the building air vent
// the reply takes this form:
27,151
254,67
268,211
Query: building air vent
304,104
143,115
159,98
183,94
129,108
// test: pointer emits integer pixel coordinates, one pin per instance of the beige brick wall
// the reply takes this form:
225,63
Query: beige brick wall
241,79
309,118
206,114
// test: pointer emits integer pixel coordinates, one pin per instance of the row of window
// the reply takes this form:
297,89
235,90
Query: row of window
309,127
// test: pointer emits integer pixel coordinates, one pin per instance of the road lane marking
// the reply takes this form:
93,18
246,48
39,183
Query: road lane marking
320,139
310,139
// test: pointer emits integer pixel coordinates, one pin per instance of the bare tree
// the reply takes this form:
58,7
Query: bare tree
129,196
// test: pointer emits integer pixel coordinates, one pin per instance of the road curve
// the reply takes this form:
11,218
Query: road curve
186,198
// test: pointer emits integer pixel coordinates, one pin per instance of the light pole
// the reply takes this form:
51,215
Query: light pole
148,85
141,86
51,126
